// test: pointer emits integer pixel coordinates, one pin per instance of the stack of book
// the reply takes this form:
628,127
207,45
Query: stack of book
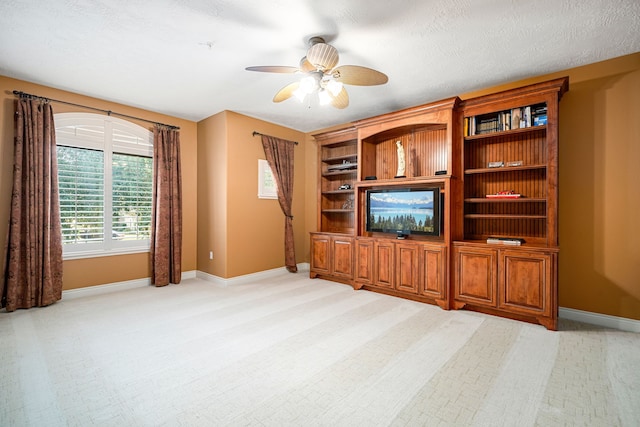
539,115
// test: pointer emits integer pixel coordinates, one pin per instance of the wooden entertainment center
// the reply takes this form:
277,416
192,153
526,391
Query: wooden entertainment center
494,159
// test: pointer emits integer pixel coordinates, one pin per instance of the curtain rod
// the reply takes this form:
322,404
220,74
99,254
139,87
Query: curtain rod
258,133
107,112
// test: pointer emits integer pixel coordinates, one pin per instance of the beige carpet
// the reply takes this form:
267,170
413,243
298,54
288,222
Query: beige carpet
291,351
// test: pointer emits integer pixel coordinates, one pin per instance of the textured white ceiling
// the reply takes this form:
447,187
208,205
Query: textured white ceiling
186,58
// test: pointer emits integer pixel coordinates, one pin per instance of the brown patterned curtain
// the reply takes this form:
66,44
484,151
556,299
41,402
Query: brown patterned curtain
166,216
279,153
33,275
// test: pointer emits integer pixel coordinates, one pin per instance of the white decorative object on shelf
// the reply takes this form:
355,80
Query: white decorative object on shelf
401,161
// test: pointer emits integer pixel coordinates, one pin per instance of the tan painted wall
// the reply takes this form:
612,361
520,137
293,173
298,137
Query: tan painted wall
212,195
232,219
600,196
101,270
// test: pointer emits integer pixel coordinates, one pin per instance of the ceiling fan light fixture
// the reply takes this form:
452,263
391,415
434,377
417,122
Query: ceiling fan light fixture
334,87
323,97
300,94
309,84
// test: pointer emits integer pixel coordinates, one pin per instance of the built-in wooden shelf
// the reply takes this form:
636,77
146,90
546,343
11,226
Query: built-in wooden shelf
506,133
504,169
350,191
339,159
337,210
503,216
338,173
498,200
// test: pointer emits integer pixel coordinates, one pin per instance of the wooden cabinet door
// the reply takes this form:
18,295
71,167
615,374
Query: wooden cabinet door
320,254
433,271
383,264
364,261
342,249
407,268
525,282
475,272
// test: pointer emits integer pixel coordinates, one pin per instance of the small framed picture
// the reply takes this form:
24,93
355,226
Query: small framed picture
267,186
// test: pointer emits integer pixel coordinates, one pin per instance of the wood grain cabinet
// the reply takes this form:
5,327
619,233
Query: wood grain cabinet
475,273
332,256
432,274
383,264
374,264
527,284
520,282
405,269
364,262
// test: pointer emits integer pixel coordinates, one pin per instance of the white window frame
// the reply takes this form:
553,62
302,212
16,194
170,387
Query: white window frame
267,186
67,126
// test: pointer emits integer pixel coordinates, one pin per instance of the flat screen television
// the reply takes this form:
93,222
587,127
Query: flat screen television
404,211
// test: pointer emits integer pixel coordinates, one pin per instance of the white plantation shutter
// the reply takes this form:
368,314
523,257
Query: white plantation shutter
131,197
81,188
126,138
105,177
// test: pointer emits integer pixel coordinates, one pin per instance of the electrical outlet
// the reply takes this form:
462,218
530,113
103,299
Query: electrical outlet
210,254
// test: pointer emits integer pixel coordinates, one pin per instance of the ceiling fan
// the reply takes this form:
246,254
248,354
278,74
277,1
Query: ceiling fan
321,76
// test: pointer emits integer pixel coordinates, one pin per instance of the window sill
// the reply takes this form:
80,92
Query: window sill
102,253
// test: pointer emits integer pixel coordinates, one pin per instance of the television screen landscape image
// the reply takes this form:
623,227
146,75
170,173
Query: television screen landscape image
404,211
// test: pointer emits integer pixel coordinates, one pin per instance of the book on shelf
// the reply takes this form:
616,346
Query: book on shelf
509,241
488,125
540,120
515,118
505,120
540,112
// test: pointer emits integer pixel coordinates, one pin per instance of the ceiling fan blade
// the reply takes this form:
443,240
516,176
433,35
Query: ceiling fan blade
341,100
323,56
286,92
359,76
273,69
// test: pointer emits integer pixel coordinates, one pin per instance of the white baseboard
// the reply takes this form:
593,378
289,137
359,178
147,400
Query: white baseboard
605,320
103,289
302,267
188,275
114,287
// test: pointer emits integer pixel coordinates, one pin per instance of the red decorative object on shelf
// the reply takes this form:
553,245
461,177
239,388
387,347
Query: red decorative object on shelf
504,195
